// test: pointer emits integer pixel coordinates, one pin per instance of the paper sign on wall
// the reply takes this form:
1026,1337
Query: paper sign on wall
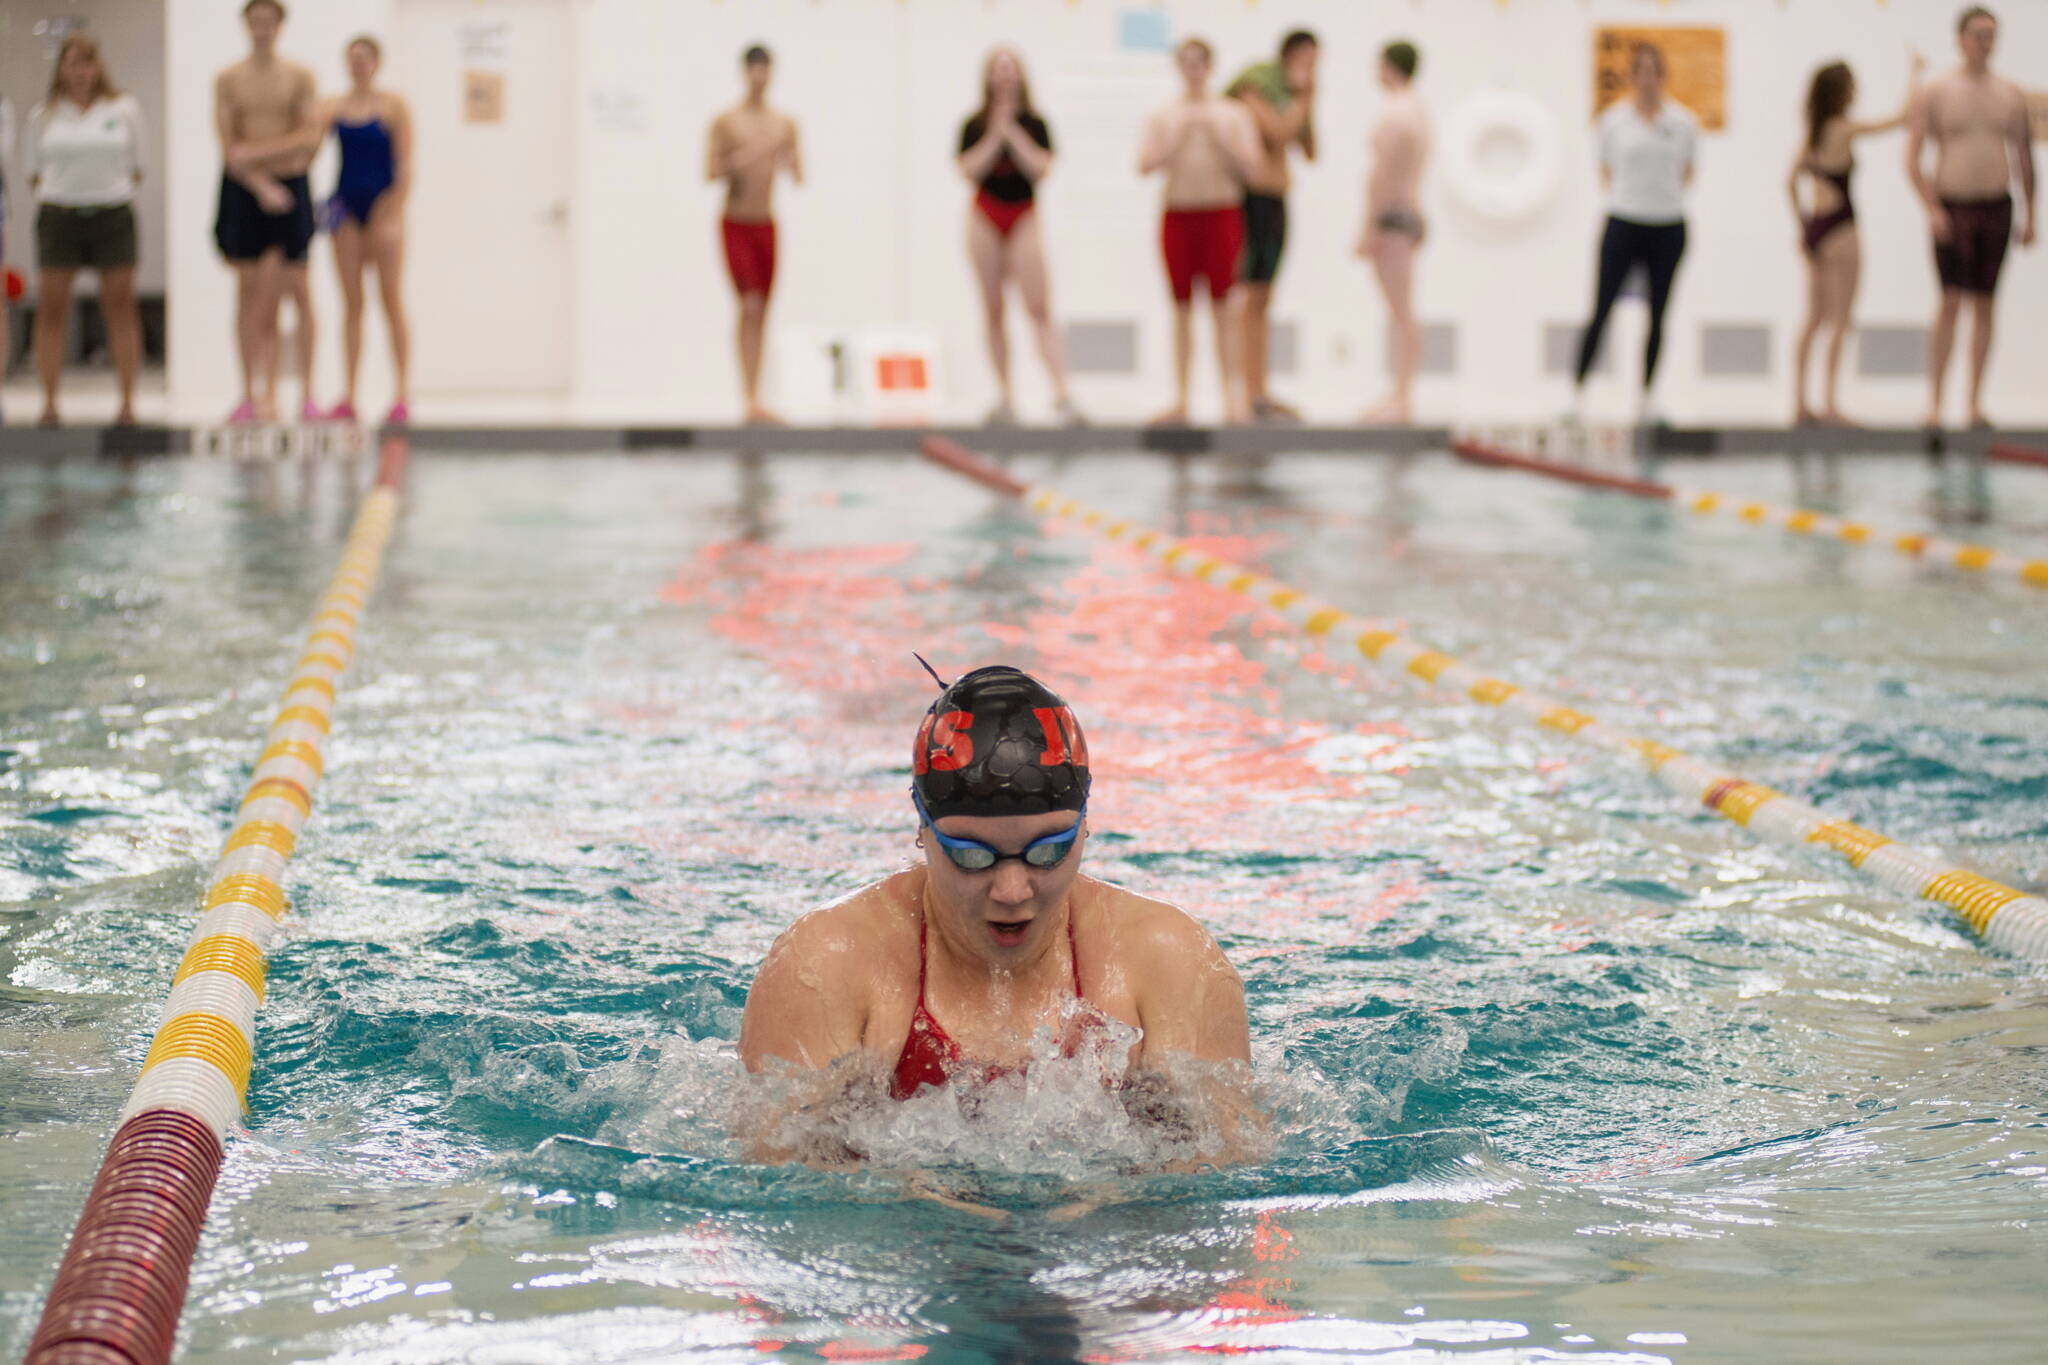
483,97
484,44
1695,60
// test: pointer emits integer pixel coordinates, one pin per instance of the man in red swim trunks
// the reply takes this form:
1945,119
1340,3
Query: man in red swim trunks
750,145
1208,148
1978,124
941,975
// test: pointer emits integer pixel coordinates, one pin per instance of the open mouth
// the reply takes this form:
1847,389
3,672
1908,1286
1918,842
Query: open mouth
1009,933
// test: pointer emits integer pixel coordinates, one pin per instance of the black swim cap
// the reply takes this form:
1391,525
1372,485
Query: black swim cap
999,742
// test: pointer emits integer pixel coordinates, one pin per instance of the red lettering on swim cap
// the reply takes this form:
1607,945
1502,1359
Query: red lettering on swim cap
920,760
951,745
1063,741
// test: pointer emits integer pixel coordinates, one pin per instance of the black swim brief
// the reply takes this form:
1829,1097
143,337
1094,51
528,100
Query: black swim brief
244,232
1974,253
1265,237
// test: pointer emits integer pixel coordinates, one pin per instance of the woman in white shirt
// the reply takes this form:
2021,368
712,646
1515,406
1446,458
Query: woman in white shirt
1647,143
83,159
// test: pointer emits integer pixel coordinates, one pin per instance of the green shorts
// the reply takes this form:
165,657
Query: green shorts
85,239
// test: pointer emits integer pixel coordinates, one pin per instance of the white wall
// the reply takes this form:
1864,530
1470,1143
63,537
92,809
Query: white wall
880,87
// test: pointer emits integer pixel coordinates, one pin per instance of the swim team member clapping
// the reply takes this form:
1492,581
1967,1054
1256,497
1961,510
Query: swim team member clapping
947,973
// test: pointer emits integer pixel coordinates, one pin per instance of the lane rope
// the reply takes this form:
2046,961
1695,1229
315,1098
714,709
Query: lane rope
120,1288
2011,920
1800,521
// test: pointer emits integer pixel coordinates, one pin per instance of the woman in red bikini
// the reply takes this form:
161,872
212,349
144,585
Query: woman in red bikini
952,972
1005,150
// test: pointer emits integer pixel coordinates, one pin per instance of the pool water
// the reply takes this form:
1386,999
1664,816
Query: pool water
1558,1068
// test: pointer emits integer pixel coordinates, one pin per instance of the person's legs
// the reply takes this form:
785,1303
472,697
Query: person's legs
53,311
1941,339
248,330
1025,257
985,253
1841,264
753,329
1252,304
268,307
350,250
1981,306
1617,254
1183,362
299,287
1227,309
1180,242
124,334
1663,249
387,249
1802,349
1393,261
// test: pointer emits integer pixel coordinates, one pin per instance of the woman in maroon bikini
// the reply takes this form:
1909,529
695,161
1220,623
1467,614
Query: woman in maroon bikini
1005,150
1827,230
953,971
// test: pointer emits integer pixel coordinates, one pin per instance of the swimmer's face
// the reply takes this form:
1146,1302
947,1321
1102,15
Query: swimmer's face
1978,37
1300,66
1003,914
1193,62
757,76
362,63
1005,77
263,23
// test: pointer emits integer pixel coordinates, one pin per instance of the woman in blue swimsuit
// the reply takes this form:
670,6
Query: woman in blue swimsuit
367,214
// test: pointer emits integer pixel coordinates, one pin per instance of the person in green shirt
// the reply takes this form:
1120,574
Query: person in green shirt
1280,95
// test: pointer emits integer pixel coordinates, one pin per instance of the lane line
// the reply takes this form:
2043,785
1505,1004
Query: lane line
120,1288
1912,542
2011,920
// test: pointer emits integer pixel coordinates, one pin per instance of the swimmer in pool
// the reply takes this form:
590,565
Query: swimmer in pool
750,144
943,973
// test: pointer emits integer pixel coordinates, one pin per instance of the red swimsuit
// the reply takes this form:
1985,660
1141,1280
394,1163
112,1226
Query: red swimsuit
930,1056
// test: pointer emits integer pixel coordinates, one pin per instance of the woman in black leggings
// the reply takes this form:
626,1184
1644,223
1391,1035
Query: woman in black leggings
1647,142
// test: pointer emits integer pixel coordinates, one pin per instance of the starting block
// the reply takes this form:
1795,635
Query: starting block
280,441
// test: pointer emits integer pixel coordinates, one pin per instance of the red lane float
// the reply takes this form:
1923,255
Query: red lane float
121,1286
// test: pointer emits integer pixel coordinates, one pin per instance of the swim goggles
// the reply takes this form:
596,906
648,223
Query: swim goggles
972,855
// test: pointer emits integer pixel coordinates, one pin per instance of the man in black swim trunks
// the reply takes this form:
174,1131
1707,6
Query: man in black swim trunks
1281,98
265,221
1978,123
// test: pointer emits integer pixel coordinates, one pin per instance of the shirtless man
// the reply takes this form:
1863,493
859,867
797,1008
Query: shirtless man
944,974
749,145
1208,148
1978,123
263,110
1393,220
1281,98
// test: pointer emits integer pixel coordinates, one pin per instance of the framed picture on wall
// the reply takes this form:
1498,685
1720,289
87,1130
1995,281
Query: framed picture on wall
1695,59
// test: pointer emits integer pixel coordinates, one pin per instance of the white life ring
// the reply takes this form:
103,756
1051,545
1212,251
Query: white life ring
1501,155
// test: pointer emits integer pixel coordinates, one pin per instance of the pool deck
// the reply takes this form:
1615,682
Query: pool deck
89,441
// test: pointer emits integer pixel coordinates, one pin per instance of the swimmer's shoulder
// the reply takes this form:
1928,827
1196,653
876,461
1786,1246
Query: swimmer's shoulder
857,930
1153,931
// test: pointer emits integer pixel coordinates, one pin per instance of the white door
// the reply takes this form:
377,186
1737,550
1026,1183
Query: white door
487,265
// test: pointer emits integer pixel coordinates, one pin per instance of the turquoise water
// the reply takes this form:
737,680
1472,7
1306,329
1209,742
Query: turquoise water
1560,1069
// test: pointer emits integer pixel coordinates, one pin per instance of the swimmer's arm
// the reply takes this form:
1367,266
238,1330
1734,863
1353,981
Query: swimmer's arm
1275,128
978,160
1241,142
1898,120
1916,139
1200,1017
1161,144
800,1018
2020,136
1033,160
1792,183
793,155
402,147
312,119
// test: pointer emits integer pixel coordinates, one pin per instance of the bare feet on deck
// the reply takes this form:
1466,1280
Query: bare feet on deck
1172,417
1391,411
758,416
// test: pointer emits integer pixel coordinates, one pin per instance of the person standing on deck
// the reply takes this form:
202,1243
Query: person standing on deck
1978,123
1281,99
1207,149
750,144
1394,226
264,224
